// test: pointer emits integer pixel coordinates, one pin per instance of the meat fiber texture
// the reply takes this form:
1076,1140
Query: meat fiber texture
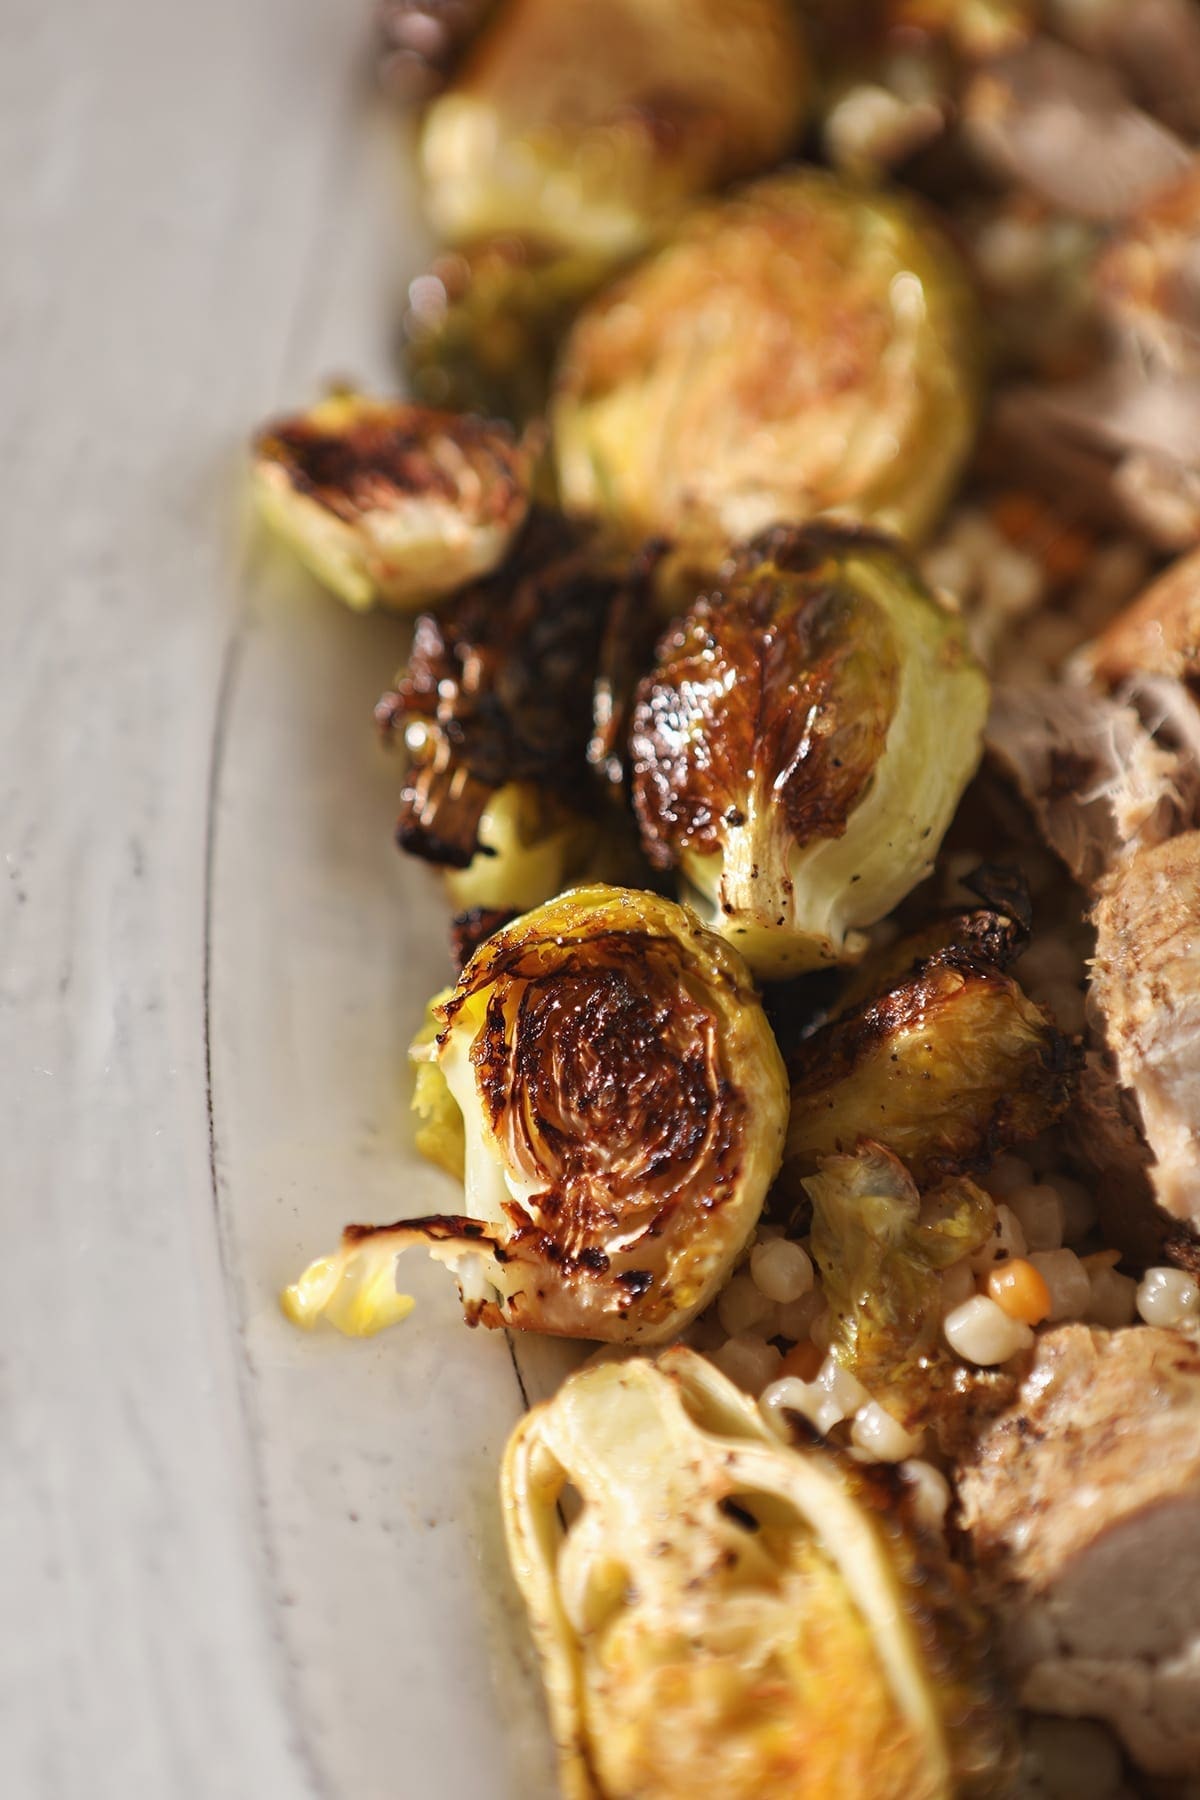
1081,1506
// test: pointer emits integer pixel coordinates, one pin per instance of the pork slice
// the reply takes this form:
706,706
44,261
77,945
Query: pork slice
1095,780
1146,990
1081,1509
1158,635
1062,126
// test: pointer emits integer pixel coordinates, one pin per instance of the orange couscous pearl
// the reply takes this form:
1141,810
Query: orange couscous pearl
1020,1290
803,1360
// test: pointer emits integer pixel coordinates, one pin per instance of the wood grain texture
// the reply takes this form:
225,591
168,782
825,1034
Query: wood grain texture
235,1561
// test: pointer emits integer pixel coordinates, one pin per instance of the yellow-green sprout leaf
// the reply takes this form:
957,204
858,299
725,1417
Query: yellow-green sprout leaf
484,324
587,126
389,502
355,1289
881,1251
724,1615
803,740
944,1061
800,348
439,1134
624,1105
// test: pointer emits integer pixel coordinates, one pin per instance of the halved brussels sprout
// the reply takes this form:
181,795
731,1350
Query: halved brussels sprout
587,124
483,326
801,746
496,711
624,1105
726,1615
946,1063
881,1250
802,347
389,502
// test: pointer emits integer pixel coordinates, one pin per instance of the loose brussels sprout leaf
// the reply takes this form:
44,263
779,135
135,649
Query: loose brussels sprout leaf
881,1252
355,1289
496,712
945,1064
588,125
727,1615
803,741
799,348
389,502
439,1134
624,1105
483,325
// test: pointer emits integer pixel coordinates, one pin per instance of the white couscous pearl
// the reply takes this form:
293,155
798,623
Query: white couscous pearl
1168,1297
741,1305
794,1321
881,1437
1079,1207
1113,1299
1003,1242
749,1361
1067,1280
981,1332
781,1270
930,1493
1039,1209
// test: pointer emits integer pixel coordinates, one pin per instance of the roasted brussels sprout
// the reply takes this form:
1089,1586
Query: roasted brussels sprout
389,502
587,124
496,712
727,1615
800,348
624,1105
803,741
946,1063
881,1250
483,326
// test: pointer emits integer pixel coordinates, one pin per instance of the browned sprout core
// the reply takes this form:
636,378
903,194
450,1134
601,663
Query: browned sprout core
603,1076
401,453
788,685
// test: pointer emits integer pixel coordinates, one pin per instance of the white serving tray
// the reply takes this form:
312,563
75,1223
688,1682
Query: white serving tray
234,1560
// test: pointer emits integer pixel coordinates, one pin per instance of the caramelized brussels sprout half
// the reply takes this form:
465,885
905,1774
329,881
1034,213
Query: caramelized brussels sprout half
623,1103
800,348
587,124
726,1615
483,326
496,713
881,1251
389,502
946,1064
801,746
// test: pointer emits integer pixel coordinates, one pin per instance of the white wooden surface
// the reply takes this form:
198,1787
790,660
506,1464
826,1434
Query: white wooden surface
234,1561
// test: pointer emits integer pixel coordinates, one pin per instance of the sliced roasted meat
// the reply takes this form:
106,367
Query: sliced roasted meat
1063,127
1081,1506
1146,989
1097,783
1158,635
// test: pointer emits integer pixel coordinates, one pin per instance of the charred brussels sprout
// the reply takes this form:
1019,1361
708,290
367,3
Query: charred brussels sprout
623,1103
946,1063
587,124
800,348
726,1615
495,710
802,743
389,502
483,325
